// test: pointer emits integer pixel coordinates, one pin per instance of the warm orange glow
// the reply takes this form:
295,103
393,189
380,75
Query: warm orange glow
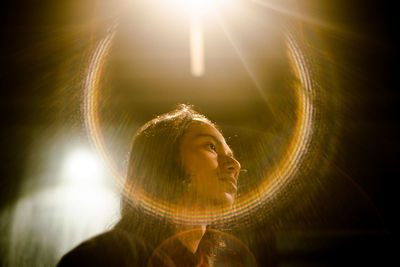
195,9
196,47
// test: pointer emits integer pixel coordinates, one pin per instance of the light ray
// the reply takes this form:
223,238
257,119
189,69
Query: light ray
298,16
242,59
196,46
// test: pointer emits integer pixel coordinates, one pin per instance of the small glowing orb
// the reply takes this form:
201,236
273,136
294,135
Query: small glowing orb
83,166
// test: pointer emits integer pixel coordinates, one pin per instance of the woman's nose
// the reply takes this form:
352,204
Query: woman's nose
232,165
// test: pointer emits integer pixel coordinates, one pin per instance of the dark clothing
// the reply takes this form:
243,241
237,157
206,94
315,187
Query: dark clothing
114,248
144,240
120,248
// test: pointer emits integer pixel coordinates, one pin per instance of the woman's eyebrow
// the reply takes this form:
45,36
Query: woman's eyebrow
209,135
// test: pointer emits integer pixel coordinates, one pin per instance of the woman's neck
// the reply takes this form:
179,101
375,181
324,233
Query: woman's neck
191,235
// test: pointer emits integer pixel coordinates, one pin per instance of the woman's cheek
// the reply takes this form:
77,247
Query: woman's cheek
209,162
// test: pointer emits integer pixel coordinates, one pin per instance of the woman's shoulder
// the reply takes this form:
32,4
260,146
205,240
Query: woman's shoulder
113,248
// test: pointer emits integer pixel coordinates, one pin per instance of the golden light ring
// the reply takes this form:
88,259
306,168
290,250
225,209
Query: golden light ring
245,204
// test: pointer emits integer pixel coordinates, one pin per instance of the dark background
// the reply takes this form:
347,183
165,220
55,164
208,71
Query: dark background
41,40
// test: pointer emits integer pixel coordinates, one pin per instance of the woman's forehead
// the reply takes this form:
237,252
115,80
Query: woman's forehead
199,126
203,129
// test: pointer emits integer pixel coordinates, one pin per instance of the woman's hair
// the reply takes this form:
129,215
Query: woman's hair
154,163
155,166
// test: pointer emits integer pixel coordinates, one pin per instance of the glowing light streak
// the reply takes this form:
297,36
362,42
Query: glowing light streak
297,15
195,10
196,47
242,59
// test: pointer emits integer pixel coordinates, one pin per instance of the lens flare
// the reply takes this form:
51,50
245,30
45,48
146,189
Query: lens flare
245,204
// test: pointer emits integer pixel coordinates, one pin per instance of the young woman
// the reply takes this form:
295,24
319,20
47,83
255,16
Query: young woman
180,158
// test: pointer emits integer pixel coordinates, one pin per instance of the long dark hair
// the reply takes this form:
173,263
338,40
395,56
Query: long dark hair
155,166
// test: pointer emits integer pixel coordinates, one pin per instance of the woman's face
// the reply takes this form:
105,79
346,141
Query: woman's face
209,162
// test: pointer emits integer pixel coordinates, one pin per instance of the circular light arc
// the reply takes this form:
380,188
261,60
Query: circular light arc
245,204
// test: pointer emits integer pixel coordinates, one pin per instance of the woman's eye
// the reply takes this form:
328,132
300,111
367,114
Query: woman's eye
212,146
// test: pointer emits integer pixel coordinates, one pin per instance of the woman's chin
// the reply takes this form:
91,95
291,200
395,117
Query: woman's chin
210,203
229,199
224,201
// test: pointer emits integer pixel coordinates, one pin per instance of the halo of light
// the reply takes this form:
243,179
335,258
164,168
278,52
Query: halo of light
245,204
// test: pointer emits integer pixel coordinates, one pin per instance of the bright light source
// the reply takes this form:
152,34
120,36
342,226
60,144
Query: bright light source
53,221
192,6
197,6
195,9
196,48
82,166
48,221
